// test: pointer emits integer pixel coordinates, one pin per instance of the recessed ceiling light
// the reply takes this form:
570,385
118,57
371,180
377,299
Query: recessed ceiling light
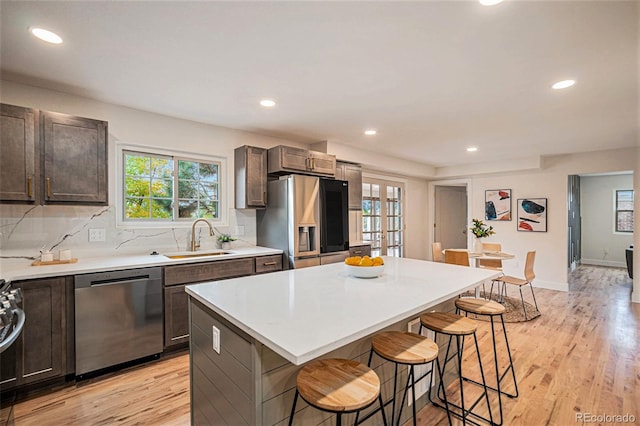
370,132
268,103
46,35
489,2
472,149
563,84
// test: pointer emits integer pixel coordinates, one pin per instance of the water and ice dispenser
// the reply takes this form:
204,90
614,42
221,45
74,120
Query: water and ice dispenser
306,239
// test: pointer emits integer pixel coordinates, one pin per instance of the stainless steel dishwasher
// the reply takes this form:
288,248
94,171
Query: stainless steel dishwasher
118,317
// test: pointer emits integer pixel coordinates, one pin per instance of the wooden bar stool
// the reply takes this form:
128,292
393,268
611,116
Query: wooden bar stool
337,386
492,309
457,326
405,348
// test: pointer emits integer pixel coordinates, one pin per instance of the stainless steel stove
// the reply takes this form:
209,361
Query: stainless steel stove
11,324
11,316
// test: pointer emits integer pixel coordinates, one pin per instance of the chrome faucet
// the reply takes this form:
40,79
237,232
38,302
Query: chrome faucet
195,246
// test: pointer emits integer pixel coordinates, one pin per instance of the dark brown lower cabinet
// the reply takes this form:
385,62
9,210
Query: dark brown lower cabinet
176,316
42,351
176,302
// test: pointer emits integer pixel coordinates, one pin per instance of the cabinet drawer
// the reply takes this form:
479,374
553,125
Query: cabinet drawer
198,272
268,263
364,250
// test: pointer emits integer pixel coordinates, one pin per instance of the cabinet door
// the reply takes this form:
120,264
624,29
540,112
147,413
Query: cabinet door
43,339
75,159
321,163
251,177
294,158
18,154
176,316
353,174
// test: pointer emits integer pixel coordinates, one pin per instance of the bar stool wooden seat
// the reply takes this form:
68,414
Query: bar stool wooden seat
492,309
338,386
405,348
457,326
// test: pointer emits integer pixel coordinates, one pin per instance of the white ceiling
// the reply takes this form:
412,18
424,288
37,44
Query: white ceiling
432,77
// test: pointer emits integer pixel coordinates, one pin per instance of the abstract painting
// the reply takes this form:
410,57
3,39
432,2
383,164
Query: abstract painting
497,204
532,214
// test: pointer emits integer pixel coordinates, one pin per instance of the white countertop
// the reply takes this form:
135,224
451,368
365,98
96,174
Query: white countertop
114,263
302,314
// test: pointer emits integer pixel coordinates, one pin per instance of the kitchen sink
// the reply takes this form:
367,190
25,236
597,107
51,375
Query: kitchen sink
192,254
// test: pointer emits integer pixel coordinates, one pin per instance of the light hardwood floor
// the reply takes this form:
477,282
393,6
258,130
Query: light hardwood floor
581,356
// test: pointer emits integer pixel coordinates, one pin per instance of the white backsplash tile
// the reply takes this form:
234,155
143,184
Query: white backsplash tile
25,230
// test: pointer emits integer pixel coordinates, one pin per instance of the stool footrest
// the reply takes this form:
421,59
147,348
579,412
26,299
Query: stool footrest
458,415
510,395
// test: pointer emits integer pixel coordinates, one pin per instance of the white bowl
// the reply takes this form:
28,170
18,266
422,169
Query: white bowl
364,271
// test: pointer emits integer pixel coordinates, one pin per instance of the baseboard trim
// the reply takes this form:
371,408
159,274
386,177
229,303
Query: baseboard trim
597,262
551,285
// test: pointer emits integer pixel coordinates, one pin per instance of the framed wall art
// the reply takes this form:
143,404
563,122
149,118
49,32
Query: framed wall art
497,204
532,214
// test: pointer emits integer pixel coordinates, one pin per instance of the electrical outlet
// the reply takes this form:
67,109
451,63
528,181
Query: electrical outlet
97,235
216,338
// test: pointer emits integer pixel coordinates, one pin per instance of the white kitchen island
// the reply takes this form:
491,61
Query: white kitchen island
271,324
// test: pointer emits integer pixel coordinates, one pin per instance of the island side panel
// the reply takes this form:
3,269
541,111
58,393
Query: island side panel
223,386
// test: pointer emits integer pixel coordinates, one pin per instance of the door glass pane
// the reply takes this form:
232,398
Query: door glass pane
382,217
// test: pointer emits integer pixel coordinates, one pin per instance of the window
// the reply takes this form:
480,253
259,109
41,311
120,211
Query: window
382,217
167,188
624,210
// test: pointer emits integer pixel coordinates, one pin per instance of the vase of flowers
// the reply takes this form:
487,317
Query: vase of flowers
225,241
480,231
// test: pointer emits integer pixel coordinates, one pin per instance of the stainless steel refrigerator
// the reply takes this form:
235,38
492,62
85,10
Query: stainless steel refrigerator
307,217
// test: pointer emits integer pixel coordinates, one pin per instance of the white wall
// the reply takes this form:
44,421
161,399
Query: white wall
550,182
601,245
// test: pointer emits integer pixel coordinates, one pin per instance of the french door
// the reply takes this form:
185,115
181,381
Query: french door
382,216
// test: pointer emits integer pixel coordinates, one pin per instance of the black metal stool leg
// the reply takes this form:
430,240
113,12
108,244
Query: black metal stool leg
484,382
293,407
338,419
495,360
459,356
384,416
513,370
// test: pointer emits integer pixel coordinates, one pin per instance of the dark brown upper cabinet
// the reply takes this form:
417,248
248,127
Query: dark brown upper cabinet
286,159
75,159
19,154
353,174
250,165
48,158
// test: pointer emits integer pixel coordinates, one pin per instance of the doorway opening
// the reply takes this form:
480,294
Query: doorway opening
450,213
600,219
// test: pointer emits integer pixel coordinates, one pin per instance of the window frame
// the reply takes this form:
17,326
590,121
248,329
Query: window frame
176,155
616,211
